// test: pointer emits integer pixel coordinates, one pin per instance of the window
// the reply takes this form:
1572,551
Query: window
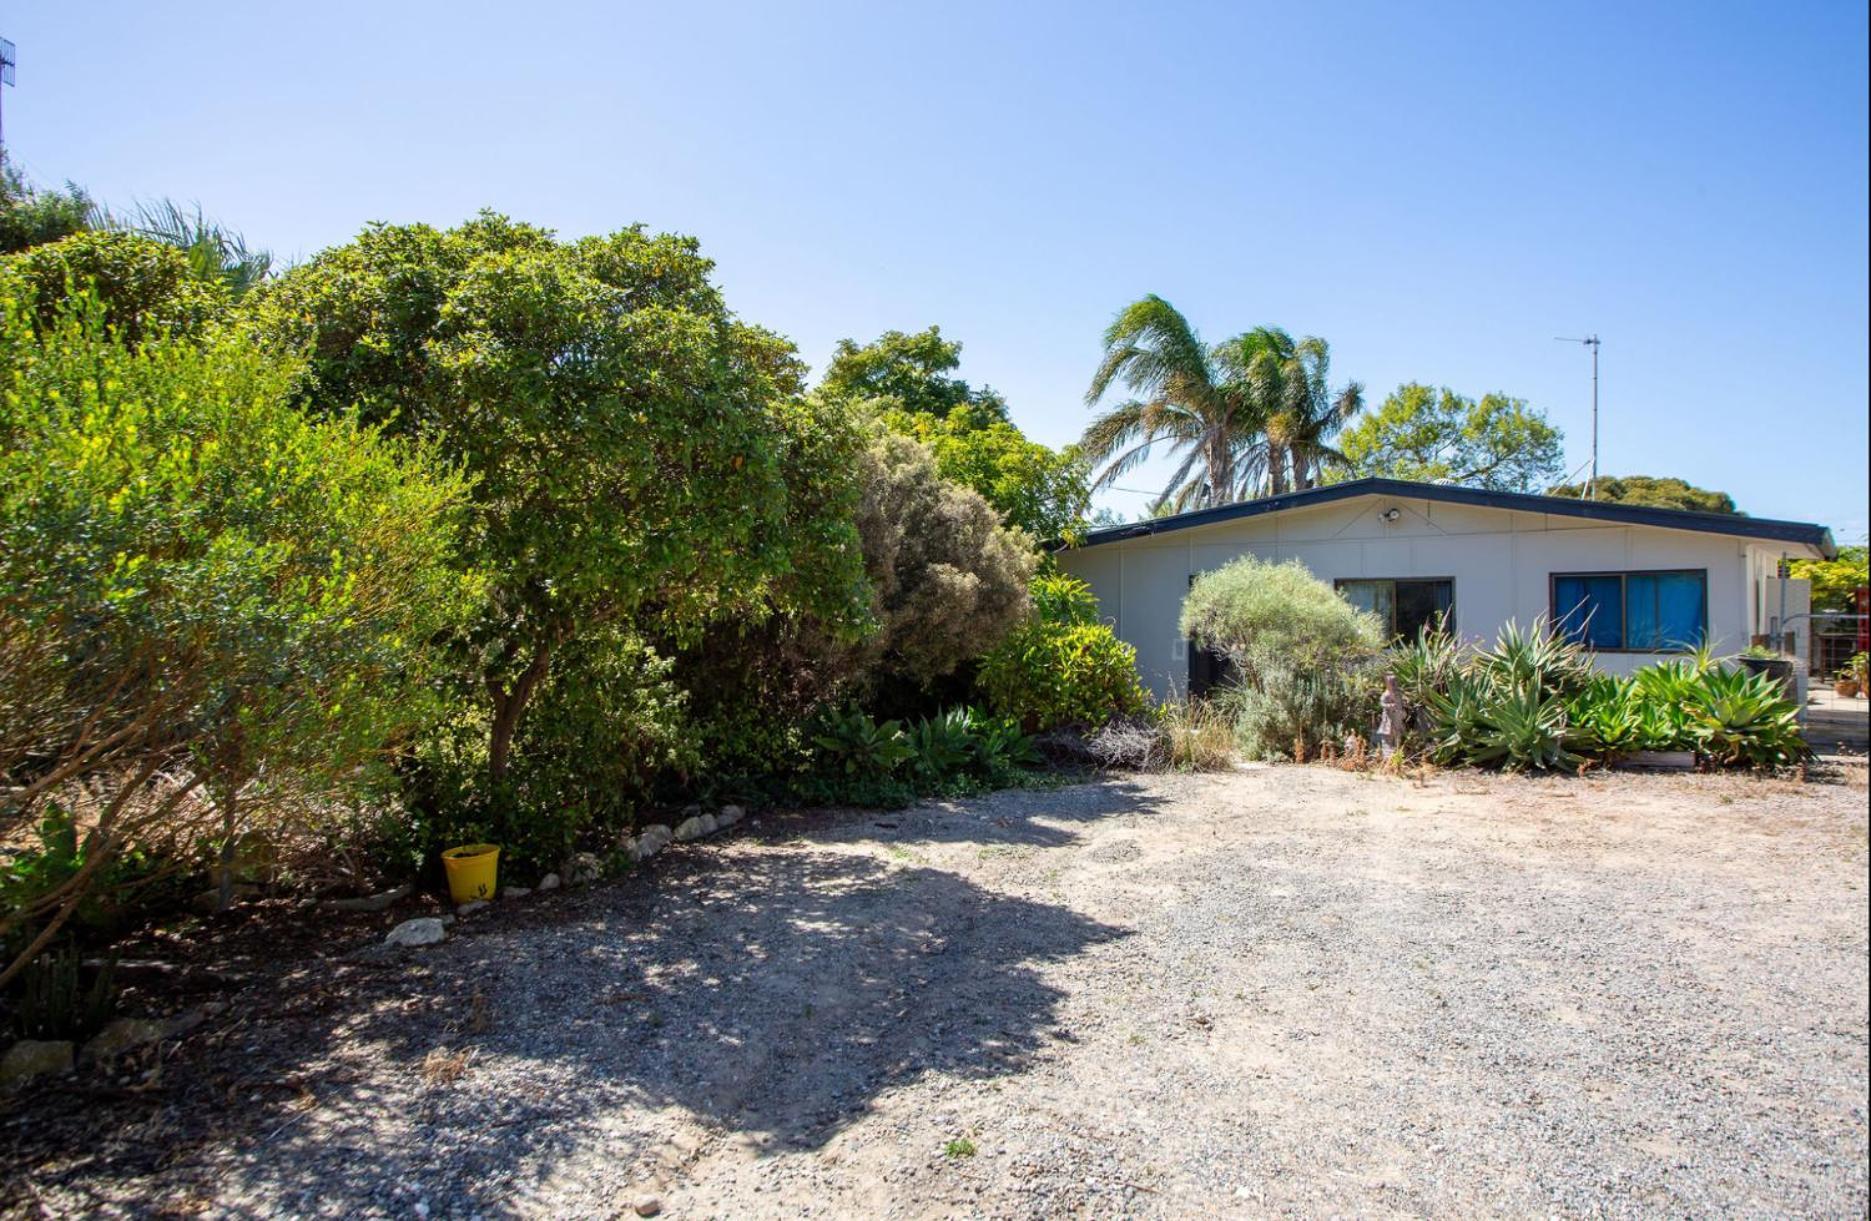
1647,612
1405,607
1209,670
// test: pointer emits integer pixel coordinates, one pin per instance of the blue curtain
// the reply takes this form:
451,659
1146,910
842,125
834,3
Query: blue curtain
1589,610
1665,610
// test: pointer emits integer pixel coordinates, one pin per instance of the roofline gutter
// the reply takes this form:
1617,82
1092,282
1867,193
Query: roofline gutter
1735,525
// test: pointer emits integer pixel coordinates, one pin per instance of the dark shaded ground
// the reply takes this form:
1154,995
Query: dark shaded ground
700,983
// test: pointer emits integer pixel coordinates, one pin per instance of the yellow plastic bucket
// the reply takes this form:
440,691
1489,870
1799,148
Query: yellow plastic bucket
471,871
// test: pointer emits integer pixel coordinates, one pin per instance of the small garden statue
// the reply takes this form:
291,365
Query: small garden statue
1390,718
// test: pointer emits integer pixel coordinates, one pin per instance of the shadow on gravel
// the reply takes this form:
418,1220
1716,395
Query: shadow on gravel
770,991
1009,817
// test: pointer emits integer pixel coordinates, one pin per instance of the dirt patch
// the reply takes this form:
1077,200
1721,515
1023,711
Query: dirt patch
1290,989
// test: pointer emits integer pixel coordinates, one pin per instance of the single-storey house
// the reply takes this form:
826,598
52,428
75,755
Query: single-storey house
1635,583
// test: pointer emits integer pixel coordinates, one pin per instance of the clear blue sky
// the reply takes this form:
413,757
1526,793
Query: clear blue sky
1437,191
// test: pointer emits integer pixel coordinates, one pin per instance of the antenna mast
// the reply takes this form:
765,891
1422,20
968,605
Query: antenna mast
8,57
1590,341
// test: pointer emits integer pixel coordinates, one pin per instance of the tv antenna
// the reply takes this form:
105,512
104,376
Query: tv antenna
1590,341
8,57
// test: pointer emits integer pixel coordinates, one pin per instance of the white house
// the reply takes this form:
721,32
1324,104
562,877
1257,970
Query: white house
1636,583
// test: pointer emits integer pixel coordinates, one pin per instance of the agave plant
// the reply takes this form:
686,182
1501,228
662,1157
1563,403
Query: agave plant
942,745
1607,718
1425,665
1522,730
860,747
1742,718
999,747
1534,659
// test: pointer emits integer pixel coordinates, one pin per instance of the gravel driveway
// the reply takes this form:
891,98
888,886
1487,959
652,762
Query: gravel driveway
1286,990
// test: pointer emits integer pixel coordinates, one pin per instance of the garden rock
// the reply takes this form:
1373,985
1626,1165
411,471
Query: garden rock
583,869
122,1034
208,902
695,828
654,839
369,903
423,930
470,907
648,1206
549,882
30,1058
728,816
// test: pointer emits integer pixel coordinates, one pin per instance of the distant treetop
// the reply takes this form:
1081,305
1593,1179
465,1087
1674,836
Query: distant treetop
1656,491
912,369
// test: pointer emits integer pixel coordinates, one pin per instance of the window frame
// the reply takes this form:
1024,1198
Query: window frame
1339,583
1624,605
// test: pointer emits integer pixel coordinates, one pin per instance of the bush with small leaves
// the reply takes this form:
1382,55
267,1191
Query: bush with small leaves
1062,666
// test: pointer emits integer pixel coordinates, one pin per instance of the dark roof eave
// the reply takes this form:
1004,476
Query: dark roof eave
1565,506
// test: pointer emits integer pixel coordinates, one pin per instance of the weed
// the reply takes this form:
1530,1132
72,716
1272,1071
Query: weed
443,1067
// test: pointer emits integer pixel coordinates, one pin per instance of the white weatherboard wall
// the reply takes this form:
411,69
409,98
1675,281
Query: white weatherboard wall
1501,561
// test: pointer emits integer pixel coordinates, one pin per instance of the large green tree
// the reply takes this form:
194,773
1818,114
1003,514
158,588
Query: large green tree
1836,582
1252,414
1662,492
914,371
1439,436
907,381
623,429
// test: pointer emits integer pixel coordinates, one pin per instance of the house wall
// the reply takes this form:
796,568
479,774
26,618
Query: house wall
1500,560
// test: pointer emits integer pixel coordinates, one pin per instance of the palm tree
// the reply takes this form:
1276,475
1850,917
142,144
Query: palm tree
1183,396
214,251
1289,383
1255,413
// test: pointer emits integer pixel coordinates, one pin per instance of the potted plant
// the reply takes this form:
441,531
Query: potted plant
1762,659
1846,684
1854,674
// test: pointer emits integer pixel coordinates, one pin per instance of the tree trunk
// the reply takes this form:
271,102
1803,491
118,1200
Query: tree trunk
1276,470
510,704
229,804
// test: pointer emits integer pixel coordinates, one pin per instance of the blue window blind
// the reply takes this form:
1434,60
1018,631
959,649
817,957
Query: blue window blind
1664,610
1642,611
1590,610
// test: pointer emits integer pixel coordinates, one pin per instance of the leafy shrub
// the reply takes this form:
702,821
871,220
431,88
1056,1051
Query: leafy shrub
146,288
202,593
32,215
1062,667
1037,489
756,678
948,581
1289,714
1271,616
607,725
860,748
1303,655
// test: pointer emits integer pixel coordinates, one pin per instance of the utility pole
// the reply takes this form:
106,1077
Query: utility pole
1590,341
